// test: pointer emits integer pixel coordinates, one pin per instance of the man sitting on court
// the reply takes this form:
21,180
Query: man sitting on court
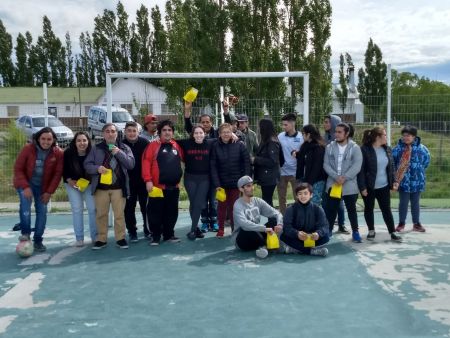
248,233
305,228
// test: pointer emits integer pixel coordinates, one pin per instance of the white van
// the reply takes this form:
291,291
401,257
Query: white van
97,119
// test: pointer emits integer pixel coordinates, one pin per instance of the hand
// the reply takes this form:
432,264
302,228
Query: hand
115,150
294,153
72,183
149,186
269,231
395,186
340,180
225,106
102,170
302,236
27,193
234,138
364,192
278,228
45,197
315,236
187,109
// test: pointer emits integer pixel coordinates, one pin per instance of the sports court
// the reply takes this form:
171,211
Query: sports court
207,289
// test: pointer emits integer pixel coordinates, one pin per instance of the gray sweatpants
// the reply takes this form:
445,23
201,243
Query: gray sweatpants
197,187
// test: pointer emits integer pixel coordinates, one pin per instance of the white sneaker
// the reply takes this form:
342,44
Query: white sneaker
262,252
79,243
319,252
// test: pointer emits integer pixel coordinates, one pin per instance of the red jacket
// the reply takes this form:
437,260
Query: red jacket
26,161
150,169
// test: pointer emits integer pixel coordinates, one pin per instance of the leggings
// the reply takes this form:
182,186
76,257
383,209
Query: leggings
197,187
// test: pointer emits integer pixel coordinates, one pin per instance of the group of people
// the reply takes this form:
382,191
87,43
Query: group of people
325,174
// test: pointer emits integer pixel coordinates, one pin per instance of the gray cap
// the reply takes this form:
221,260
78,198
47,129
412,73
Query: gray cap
244,180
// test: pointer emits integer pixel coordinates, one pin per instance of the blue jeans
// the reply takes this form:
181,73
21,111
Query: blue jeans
25,213
405,197
76,199
318,189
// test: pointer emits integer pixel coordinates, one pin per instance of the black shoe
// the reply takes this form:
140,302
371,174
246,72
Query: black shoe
199,233
154,242
133,238
371,235
122,244
17,227
191,235
39,247
395,237
99,245
343,230
172,239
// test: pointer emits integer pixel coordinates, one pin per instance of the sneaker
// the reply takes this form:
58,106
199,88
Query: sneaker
418,227
133,238
17,227
220,233
400,227
154,242
39,247
99,245
356,237
319,252
198,233
148,236
395,238
215,227
204,227
343,230
122,244
24,238
173,239
192,235
79,243
371,235
262,252
289,250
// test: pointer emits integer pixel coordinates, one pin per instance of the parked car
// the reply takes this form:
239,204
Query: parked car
97,119
31,124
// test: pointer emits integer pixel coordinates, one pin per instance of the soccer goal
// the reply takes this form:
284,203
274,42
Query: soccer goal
153,98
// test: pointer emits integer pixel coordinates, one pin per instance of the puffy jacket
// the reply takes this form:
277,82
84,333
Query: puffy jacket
267,163
368,173
414,178
310,163
26,161
229,162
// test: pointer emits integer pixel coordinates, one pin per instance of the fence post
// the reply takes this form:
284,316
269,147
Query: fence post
389,103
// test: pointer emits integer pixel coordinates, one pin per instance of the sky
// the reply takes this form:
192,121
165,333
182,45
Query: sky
413,35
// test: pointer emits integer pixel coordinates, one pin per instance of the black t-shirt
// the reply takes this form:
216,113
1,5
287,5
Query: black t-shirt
169,164
196,156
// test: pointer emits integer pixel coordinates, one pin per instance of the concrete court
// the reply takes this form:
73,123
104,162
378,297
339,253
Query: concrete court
207,289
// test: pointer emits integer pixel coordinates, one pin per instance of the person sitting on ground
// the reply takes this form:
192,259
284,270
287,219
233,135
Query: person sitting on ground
249,234
305,219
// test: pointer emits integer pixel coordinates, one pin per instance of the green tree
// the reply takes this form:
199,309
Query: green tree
69,62
372,85
6,64
123,36
22,55
342,91
51,46
141,40
158,42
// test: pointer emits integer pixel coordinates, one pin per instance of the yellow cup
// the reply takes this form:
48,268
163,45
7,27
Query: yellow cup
272,241
156,193
82,184
221,196
336,190
309,242
191,95
106,178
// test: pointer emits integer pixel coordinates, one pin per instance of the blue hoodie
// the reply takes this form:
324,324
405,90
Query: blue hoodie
329,135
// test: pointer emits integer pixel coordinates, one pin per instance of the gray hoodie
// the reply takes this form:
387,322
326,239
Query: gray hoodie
351,166
329,135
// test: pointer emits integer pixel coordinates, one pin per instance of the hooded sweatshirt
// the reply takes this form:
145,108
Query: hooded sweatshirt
329,135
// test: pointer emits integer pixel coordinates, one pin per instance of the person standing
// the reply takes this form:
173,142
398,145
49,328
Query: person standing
110,158
37,173
266,163
342,163
161,169
249,234
310,162
376,179
411,159
74,157
137,144
229,162
251,141
290,140
150,123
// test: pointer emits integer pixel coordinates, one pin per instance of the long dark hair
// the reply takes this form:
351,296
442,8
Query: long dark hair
198,126
43,131
72,148
314,134
370,135
266,130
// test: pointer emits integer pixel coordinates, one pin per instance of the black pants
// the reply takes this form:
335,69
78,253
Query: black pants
267,196
209,213
332,207
383,197
163,214
300,245
250,240
137,193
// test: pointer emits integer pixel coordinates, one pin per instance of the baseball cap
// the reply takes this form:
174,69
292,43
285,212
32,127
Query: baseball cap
244,180
150,118
242,118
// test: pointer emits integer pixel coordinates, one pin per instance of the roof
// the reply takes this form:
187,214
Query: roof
19,95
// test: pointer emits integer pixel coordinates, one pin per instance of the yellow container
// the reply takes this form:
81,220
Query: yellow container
82,184
156,193
106,178
221,195
191,95
336,190
272,241
309,242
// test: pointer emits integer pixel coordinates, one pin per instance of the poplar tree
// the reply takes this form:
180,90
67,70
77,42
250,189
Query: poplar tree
6,64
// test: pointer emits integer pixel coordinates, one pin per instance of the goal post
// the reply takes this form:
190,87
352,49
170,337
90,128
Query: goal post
219,75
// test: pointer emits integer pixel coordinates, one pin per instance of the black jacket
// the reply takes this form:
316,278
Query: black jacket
213,133
137,149
368,173
267,163
310,163
229,162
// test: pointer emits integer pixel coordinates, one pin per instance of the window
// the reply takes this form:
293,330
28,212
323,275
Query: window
86,109
68,109
147,108
164,109
102,117
13,111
